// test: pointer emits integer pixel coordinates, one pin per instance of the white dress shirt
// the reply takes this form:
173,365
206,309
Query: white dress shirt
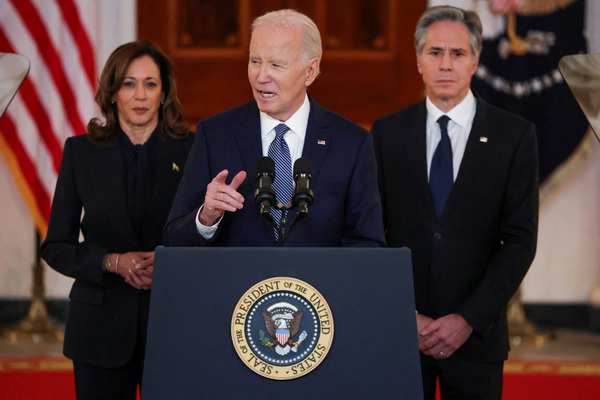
294,138
459,128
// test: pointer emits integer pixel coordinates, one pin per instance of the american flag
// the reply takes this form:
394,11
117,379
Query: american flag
56,99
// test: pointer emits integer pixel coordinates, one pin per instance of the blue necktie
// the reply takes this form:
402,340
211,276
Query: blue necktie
441,174
283,185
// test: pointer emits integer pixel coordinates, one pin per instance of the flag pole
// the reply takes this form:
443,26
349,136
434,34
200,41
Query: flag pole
37,326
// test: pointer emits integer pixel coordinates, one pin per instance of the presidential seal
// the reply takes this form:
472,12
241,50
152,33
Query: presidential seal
282,328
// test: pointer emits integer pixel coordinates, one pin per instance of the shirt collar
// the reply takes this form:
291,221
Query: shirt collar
460,114
297,122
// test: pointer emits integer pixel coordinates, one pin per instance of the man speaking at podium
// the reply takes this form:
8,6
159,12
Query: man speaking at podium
215,203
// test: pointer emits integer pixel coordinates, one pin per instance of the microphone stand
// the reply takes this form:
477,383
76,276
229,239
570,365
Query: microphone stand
266,198
283,228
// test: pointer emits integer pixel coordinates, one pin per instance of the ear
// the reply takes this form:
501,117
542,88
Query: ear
475,64
312,70
419,64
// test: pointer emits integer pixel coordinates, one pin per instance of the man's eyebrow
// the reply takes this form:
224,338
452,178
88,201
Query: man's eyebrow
438,48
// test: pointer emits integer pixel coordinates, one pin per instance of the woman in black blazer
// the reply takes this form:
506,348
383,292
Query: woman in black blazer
113,195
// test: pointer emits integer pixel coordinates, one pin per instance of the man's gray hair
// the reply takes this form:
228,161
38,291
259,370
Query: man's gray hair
447,13
311,38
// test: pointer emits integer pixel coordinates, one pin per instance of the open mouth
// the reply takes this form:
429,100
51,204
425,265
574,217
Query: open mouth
266,95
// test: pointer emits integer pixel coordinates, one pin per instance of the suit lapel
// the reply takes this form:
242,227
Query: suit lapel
248,138
106,174
249,141
476,153
168,165
318,137
416,153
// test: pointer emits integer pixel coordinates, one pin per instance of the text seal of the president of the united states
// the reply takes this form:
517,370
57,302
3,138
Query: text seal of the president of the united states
282,328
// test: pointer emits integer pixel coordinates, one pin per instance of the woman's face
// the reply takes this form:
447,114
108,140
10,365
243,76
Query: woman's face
138,100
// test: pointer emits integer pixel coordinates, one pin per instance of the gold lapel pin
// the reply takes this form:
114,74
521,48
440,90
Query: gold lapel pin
483,139
175,167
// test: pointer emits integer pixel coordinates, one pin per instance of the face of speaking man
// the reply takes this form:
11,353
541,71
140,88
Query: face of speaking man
446,63
276,73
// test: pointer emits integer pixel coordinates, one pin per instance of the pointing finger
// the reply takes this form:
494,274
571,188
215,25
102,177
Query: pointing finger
221,177
238,179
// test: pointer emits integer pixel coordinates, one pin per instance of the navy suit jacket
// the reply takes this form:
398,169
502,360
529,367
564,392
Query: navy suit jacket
346,209
104,316
474,258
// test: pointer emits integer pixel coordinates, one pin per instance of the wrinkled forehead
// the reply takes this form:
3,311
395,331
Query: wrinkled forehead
447,35
271,43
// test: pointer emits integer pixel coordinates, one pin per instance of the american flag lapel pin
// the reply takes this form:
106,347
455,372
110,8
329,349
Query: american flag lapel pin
321,142
175,167
483,139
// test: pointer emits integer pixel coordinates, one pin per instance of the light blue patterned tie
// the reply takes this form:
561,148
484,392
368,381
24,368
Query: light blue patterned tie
283,185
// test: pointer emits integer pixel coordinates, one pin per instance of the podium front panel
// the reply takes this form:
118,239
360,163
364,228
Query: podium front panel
374,353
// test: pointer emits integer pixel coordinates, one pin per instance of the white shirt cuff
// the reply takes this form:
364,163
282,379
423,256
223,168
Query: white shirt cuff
207,232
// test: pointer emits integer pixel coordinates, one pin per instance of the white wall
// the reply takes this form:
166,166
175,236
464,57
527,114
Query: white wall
567,265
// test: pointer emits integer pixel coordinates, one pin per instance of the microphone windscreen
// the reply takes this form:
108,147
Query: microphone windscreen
265,165
303,165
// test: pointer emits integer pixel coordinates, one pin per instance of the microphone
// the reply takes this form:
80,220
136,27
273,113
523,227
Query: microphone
265,195
303,196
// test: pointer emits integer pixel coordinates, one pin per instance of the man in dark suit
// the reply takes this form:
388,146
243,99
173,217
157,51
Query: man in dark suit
285,53
462,194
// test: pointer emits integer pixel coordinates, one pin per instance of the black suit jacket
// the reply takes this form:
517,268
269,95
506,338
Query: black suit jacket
474,258
346,209
103,317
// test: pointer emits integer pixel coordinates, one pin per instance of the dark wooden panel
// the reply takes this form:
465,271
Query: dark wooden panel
368,67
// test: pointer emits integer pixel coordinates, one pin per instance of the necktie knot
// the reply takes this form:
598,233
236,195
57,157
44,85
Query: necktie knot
443,121
281,130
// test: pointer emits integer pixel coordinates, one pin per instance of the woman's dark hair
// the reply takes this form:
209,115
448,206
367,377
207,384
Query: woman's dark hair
170,115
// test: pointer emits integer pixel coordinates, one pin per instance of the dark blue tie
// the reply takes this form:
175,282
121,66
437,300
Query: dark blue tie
441,174
283,185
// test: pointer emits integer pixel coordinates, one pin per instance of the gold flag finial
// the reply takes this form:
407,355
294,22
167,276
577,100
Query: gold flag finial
528,8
